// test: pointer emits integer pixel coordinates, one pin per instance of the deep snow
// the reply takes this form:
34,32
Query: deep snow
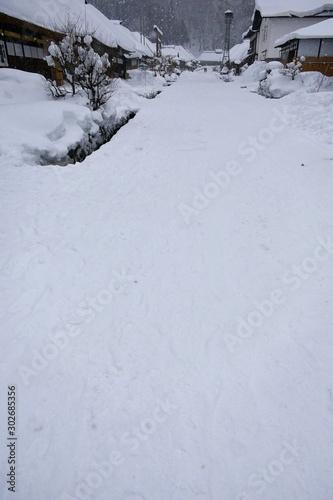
149,264
40,129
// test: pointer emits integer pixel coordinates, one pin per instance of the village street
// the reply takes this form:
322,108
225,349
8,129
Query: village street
168,307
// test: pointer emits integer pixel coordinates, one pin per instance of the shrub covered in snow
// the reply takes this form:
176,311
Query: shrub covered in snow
65,54
192,65
227,74
274,80
81,65
277,80
165,66
92,75
293,68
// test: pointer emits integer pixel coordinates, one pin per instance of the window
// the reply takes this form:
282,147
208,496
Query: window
40,53
18,50
253,45
3,55
265,35
10,48
27,51
326,48
309,48
289,51
284,53
34,52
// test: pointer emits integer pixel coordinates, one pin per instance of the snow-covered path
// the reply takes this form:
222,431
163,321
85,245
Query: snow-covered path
163,343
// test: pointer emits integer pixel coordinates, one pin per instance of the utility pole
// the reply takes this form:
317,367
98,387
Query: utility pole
158,35
226,51
85,14
141,25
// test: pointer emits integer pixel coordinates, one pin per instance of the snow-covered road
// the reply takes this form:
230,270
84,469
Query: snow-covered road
167,308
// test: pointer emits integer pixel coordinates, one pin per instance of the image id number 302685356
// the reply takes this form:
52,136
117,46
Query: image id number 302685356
12,439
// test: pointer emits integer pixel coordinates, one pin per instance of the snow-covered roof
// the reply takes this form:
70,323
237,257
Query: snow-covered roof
300,8
52,14
178,51
147,47
240,52
158,30
319,30
211,56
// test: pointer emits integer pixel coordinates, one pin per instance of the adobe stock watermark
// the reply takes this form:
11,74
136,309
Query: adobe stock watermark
219,181
86,311
129,442
265,308
261,479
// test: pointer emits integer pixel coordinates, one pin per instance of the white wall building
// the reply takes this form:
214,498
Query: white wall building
274,19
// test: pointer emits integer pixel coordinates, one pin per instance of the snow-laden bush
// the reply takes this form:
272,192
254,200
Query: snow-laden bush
92,75
192,65
293,68
81,66
64,55
227,74
165,66
277,80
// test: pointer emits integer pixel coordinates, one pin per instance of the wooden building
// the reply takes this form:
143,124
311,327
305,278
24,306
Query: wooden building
24,41
314,43
24,45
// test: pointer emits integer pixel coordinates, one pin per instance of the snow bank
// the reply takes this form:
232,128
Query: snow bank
40,130
312,113
277,84
37,126
251,75
267,79
308,99
144,83
240,52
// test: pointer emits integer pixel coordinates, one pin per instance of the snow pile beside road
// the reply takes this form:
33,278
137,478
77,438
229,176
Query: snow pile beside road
308,99
36,126
239,52
251,75
276,84
144,83
269,80
41,130
312,113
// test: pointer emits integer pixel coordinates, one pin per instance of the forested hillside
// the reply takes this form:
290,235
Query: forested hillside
197,24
